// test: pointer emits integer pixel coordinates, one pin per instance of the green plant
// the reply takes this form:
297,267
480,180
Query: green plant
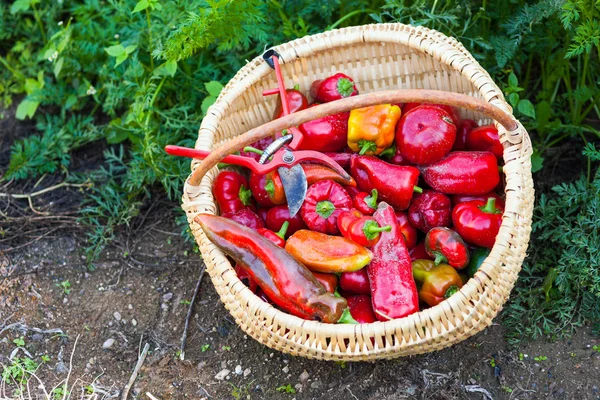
205,347
286,389
492,362
60,392
65,286
19,370
45,358
226,348
596,348
540,358
19,341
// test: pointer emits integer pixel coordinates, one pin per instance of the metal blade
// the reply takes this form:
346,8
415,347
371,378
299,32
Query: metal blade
294,186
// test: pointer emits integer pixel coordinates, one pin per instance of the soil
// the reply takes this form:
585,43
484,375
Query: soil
138,293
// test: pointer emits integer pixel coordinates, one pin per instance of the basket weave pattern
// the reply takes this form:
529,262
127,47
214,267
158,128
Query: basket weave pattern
377,57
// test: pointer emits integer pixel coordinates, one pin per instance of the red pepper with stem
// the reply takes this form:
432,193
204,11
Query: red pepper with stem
393,289
343,159
463,172
457,199
360,229
408,231
356,282
335,87
395,184
232,193
365,202
289,284
361,309
430,209
277,216
260,145
324,201
394,156
327,134
246,218
478,222
446,246
449,109
436,282
485,138
464,127
296,102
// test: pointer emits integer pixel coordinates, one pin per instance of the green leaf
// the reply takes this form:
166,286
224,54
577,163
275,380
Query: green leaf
513,99
71,100
141,6
206,103
116,50
526,108
213,88
512,80
58,66
26,108
537,161
20,5
130,49
116,137
171,67
120,59
31,85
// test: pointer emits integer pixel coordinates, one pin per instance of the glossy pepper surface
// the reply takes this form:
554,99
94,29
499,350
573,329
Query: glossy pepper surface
478,222
419,252
456,199
232,192
425,134
485,138
326,253
446,246
289,284
333,88
365,202
278,215
430,209
329,281
372,129
276,237
464,127
395,184
478,256
324,201
453,111
246,217
296,102
361,309
393,289
363,230
463,172
258,145
408,231
436,282
327,134
343,159
356,282
267,189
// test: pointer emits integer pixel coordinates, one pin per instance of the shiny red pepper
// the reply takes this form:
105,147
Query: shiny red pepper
393,290
436,282
418,252
267,189
361,309
394,156
260,146
456,199
395,184
478,222
277,216
324,201
464,127
232,193
296,102
247,218
425,134
289,284
356,282
409,232
365,202
463,172
446,246
276,237
329,281
449,109
333,88
430,209
360,229
262,213
325,134
343,159
485,138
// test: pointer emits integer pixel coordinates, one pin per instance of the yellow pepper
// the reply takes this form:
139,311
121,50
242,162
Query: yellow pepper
372,129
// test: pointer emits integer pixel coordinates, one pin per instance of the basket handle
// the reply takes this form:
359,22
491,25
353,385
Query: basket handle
347,104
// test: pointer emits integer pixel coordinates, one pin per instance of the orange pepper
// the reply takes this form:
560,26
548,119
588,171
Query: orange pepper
436,282
372,129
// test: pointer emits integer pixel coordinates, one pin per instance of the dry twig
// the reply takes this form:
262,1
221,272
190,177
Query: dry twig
189,314
134,374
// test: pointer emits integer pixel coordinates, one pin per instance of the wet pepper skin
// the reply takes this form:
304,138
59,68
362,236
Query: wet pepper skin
409,232
289,284
246,217
361,309
485,138
395,184
446,246
356,282
393,290
277,216
232,192
463,172
333,88
437,282
325,134
430,209
372,129
478,222
324,201
296,102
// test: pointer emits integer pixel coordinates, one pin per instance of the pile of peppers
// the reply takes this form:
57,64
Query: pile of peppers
416,221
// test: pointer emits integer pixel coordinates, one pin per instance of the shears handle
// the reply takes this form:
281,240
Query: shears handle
231,159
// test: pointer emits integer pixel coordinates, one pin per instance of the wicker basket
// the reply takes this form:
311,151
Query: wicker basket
378,57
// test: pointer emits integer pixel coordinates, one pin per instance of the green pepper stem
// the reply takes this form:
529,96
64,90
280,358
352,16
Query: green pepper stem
270,188
284,227
347,318
245,195
325,208
365,146
417,189
250,149
345,87
439,258
373,229
389,152
490,206
451,290
297,86
371,200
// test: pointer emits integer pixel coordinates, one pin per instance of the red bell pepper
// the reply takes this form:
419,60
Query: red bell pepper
329,281
394,156
356,282
409,232
418,252
478,222
333,88
360,229
361,309
262,213
365,202
267,189
296,102
456,199
325,134
260,146
247,218
393,290
463,172
277,216
430,209
343,159
276,237
464,127
485,138
446,246
453,111
395,184
232,193
324,201
425,134
288,283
